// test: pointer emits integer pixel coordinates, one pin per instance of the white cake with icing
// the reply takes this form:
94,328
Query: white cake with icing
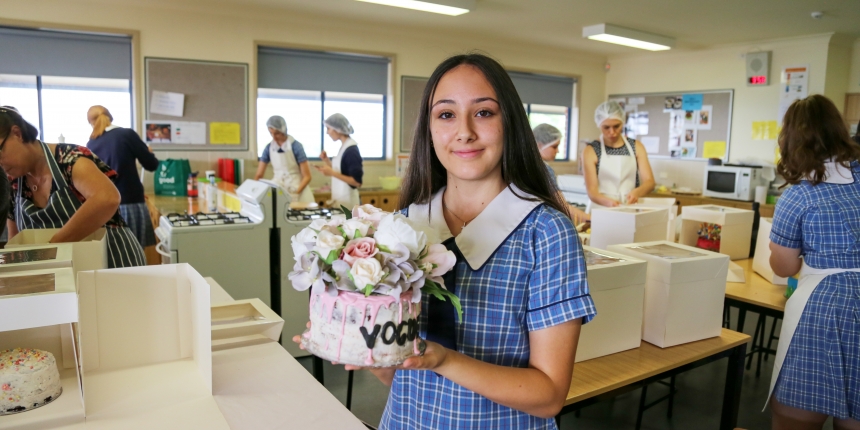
378,331
28,379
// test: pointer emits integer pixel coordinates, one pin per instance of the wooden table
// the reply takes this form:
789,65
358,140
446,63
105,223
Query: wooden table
606,377
760,296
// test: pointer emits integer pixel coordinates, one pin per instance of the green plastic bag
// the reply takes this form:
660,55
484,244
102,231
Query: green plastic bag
171,177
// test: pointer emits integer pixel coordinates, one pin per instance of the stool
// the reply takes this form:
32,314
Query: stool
643,407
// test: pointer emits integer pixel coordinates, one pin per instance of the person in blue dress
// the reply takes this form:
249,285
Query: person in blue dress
475,174
817,369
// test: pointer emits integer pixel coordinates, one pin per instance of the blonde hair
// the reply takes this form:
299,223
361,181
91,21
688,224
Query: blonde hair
100,118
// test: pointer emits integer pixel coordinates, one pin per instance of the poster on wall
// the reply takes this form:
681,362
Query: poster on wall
182,132
673,103
703,117
690,117
793,85
688,152
676,127
689,137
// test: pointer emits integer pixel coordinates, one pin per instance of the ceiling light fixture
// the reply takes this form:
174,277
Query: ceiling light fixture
444,7
627,37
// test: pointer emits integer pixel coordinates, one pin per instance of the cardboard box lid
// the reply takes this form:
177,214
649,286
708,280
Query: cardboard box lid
38,236
609,270
672,263
37,298
32,257
721,215
245,318
643,216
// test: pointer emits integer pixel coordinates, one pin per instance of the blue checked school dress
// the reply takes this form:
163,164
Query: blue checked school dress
520,268
123,248
821,369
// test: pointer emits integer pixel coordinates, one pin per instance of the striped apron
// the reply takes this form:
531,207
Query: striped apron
122,247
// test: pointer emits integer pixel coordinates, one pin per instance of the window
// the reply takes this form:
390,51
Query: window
305,87
57,76
549,99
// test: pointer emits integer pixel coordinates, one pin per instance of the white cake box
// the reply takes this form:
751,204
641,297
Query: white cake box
627,224
88,254
42,319
736,227
617,286
35,257
761,260
146,347
244,323
660,203
684,291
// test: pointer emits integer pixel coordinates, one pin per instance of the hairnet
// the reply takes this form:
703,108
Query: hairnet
546,134
340,124
277,122
608,110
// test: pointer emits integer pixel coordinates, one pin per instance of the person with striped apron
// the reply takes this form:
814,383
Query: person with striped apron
816,372
81,197
616,168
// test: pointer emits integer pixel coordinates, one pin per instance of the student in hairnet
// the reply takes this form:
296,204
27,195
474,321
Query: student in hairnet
345,169
548,139
616,167
289,162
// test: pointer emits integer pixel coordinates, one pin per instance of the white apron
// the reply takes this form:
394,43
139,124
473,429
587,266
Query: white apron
341,193
288,174
807,283
616,176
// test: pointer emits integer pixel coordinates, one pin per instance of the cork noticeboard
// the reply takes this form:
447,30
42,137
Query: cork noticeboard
411,92
659,121
214,92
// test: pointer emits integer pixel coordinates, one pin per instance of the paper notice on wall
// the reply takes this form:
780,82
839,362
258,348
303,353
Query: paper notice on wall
692,101
703,117
193,133
794,85
158,131
714,149
165,103
651,144
688,152
402,163
765,130
225,133
636,100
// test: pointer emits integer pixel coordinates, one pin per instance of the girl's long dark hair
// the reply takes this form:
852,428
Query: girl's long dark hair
522,165
813,133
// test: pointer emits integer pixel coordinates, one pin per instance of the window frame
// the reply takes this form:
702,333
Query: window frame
567,133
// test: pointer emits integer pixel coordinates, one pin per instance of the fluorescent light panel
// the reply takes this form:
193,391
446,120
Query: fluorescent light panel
444,7
628,37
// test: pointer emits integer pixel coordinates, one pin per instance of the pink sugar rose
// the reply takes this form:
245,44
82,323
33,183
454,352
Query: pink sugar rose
359,248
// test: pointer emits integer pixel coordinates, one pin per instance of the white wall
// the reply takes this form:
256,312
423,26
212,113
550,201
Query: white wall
224,33
853,84
721,68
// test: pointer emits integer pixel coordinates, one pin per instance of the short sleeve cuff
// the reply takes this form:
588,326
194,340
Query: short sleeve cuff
561,312
784,242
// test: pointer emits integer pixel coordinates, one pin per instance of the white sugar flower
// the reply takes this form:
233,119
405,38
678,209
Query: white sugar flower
366,271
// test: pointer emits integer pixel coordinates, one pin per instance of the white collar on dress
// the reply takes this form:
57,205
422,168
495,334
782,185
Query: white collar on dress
488,231
110,127
836,173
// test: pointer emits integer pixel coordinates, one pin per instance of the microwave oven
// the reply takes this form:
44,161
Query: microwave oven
733,181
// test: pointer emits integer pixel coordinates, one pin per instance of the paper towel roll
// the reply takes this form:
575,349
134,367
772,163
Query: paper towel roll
760,194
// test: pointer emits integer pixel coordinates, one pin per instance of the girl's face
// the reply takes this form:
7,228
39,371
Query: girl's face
13,154
611,129
548,152
466,124
277,135
332,134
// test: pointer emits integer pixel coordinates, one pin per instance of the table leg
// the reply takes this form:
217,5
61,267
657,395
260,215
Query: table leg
318,370
742,316
732,393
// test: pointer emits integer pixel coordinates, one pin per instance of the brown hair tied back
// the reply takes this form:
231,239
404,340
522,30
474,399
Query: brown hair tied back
100,118
813,133
9,117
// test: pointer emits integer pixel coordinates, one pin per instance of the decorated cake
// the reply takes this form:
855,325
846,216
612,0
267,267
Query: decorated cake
28,379
366,273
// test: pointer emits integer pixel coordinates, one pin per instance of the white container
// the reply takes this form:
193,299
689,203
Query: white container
146,347
627,224
736,227
761,260
243,323
37,298
34,257
90,253
617,286
667,203
684,291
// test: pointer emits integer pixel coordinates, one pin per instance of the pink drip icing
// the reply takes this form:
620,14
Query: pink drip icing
369,360
375,302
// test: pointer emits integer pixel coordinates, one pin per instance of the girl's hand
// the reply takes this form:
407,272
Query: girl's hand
324,156
298,338
432,356
325,170
632,198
